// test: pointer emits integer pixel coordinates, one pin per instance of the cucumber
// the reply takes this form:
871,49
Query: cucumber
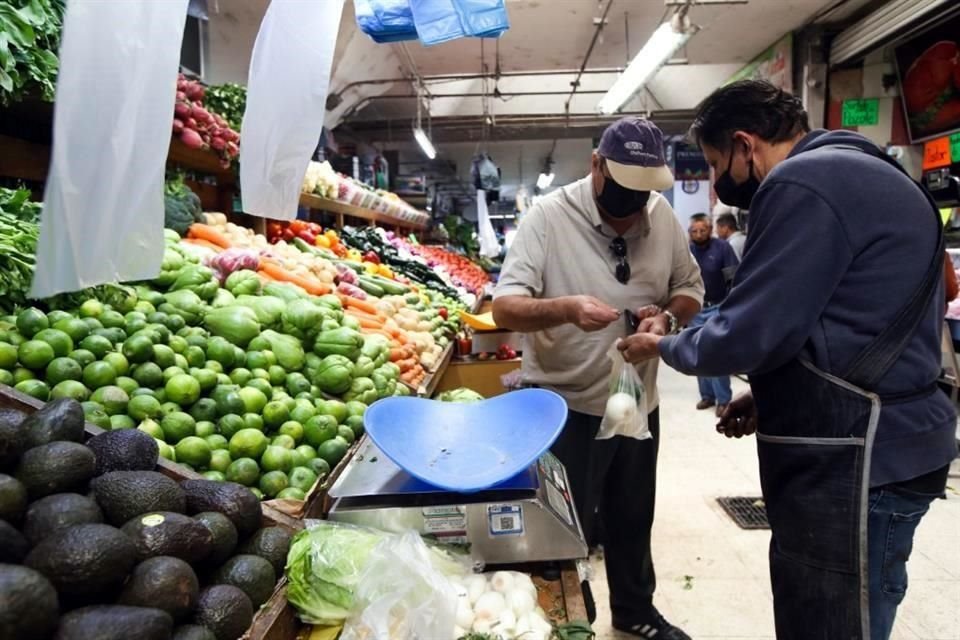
392,287
371,287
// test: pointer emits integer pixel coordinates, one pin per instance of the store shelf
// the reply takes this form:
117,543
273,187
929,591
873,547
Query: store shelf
430,383
318,203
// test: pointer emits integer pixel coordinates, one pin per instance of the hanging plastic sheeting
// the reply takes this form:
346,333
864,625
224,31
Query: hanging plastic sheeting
437,21
489,247
286,103
102,217
385,20
482,18
433,21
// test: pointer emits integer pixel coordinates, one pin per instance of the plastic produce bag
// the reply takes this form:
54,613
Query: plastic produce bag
402,594
286,103
103,211
626,411
399,26
482,18
489,246
437,21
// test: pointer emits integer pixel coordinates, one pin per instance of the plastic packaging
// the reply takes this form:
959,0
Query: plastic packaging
399,26
102,217
437,21
482,18
286,103
489,247
626,412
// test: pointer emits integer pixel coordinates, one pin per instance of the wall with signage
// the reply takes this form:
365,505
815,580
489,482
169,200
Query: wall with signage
691,189
775,65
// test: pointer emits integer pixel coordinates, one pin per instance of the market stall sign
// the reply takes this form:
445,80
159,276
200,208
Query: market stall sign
955,147
861,113
936,153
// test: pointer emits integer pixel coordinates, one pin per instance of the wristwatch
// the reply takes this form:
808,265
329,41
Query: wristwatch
674,323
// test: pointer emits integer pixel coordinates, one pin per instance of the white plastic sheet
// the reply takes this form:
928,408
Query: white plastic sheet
102,215
286,103
489,246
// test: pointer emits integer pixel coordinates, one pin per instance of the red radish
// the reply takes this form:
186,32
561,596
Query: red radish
181,84
192,139
219,119
190,123
218,143
181,96
233,149
195,91
201,114
181,110
231,136
177,125
215,131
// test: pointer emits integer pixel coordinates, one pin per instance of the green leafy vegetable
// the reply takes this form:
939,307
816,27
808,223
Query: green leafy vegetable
29,38
460,395
229,100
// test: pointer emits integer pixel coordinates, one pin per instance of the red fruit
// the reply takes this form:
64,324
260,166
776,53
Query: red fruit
232,149
181,110
192,139
442,312
181,96
201,114
191,123
370,256
218,143
177,125
930,75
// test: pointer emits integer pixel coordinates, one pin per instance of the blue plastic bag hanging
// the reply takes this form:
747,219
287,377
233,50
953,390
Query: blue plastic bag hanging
286,103
482,18
102,217
437,21
385,20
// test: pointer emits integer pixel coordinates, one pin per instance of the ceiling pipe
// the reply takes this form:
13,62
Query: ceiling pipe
451,77
480,94
586,58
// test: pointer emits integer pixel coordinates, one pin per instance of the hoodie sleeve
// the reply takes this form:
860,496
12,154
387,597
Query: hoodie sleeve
798,253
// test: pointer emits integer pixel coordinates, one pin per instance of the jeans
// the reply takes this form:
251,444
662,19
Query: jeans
718,388
894,516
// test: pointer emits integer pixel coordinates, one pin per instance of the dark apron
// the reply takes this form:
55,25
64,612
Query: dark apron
814,439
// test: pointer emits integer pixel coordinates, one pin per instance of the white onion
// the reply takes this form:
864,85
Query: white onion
523,581
621,408
502,581
464,617
506,624
461,591
520,601
476,586
490,605
481,625
459,632
523,626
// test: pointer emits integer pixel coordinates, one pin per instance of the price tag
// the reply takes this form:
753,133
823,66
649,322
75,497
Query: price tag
505,519
860,113
955,147
936,153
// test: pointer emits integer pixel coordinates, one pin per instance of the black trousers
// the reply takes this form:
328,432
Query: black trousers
614,486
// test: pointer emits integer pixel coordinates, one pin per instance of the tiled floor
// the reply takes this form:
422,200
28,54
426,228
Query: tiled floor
712,575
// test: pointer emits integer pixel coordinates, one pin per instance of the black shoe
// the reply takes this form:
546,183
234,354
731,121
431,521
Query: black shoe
654,627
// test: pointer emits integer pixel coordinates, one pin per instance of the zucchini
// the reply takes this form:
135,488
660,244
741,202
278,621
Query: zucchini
392,287
371,287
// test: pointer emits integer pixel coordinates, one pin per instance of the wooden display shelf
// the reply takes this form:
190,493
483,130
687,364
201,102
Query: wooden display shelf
345,210
483,376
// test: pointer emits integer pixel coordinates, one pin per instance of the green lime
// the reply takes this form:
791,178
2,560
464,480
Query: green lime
97,345
204,409
121,421
284,441
144,307
83,357
89,406
274,414
164,356
148,375
141,391
113,398
319,466
91,308
180,362
297,459
195,356
214,366
230,402
157,317
308,452
61,369
175,323
243,471
276,458
31,321
197,340
333,451
302,412
293,429
253,421
228,425
216,476
118,361
178,425
302,478
112,319
219,350
138,348
193,451
8,356
253,399
178,344
127,384
99,418
206,378
166,408
143,407
93,323
74,327
152,428
206,428
260,374
35,354
34,388
99,374
182,389
297,383
20,374
333,408
6,377
278,375
255,360
60,341
70,389
239,355
14,338
258,344
291,493
170,372
346,433
241,376
217,442
354,408
161,332
114,334
263,386
273,482
319,429
160,395
135,322
248,443
271,358
356,425
219,460
224,379
166,451
55,316
256,491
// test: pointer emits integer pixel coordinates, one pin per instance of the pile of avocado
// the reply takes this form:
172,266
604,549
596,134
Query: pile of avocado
97,545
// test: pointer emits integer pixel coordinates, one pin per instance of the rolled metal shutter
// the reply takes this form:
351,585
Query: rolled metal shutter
884,24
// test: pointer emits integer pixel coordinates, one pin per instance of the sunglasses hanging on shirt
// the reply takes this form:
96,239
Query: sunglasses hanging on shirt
619,248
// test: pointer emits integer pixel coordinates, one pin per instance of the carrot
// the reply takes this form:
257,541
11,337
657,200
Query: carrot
202,243
310,285
397,354
266,276
200,231
369,324
360,315
361,305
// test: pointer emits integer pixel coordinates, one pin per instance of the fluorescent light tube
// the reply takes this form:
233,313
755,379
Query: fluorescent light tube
424,143
661,46
544,180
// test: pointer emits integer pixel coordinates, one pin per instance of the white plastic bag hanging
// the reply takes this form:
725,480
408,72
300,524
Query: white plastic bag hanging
102,217
489,246
286,103
626,411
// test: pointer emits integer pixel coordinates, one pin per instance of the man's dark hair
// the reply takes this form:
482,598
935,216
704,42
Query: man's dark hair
728,221
699,217
754,106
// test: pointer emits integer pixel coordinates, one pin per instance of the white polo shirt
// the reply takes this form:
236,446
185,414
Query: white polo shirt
562,248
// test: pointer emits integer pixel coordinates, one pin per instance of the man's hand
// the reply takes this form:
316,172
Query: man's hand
589,313
640,347
739,418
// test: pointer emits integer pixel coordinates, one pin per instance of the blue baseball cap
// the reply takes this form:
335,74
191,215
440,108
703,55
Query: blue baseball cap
633,150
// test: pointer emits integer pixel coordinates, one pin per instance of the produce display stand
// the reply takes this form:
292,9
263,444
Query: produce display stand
483,376
213,197
429,385
342,211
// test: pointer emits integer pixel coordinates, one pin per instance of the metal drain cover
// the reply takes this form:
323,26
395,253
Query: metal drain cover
748,513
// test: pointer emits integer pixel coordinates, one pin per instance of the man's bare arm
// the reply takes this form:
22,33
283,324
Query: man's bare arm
526,314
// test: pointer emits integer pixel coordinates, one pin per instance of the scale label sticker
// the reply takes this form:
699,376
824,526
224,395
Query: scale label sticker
447,520
505,519
558,503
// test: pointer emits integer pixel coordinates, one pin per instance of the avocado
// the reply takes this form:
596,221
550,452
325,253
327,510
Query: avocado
54,513
225,610
193,632
30,604
115,622
124,450
58,420
126,494
165,583
272,543
251,574
13,546
13,499
163,533
84,559
232,500
12,442
224,535
57,467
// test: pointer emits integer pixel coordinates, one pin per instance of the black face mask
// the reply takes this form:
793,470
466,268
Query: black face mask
733,194
619,202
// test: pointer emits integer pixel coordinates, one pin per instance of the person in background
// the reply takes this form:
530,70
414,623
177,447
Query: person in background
584,253
729,230
718,262
836,313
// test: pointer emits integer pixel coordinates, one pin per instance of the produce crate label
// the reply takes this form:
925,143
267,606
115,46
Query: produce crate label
445,521
505,519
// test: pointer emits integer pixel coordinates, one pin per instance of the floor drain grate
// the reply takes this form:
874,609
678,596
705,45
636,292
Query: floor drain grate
748,513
